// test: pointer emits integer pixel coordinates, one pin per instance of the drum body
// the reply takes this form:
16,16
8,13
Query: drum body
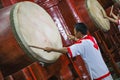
22,25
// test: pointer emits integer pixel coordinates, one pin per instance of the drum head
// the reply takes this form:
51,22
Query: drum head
94,9
32,25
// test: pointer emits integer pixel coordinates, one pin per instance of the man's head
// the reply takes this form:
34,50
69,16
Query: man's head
80,30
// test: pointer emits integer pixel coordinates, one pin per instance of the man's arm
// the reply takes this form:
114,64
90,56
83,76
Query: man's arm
112,14
49,49
109,18
112,20
60,50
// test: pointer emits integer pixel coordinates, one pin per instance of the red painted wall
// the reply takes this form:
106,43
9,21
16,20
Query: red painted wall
6,3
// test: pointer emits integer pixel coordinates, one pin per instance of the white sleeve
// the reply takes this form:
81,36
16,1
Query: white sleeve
76,49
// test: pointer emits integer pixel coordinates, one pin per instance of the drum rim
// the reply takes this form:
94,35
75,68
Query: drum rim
15,30
20,38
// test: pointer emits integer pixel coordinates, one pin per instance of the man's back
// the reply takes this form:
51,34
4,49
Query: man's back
90,52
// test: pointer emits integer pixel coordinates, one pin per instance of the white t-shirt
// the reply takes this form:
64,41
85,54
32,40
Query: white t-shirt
90,52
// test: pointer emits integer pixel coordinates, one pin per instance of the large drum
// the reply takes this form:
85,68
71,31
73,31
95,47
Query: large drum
89,12
96,11
22,25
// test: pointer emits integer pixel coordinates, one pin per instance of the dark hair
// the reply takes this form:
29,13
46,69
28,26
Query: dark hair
81,27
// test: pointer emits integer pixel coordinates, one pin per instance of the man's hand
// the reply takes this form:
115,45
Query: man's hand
71,37
48,49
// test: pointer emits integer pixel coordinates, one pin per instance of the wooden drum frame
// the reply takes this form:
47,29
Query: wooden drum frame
15,36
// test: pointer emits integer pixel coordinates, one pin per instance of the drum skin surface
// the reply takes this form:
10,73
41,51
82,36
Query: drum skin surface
25,24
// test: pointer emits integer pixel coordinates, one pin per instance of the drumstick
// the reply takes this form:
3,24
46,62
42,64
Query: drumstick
36,47
111,10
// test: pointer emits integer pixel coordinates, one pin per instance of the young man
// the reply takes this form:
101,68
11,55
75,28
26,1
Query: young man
87,47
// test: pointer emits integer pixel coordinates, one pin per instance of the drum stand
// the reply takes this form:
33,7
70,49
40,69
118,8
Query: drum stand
63,69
